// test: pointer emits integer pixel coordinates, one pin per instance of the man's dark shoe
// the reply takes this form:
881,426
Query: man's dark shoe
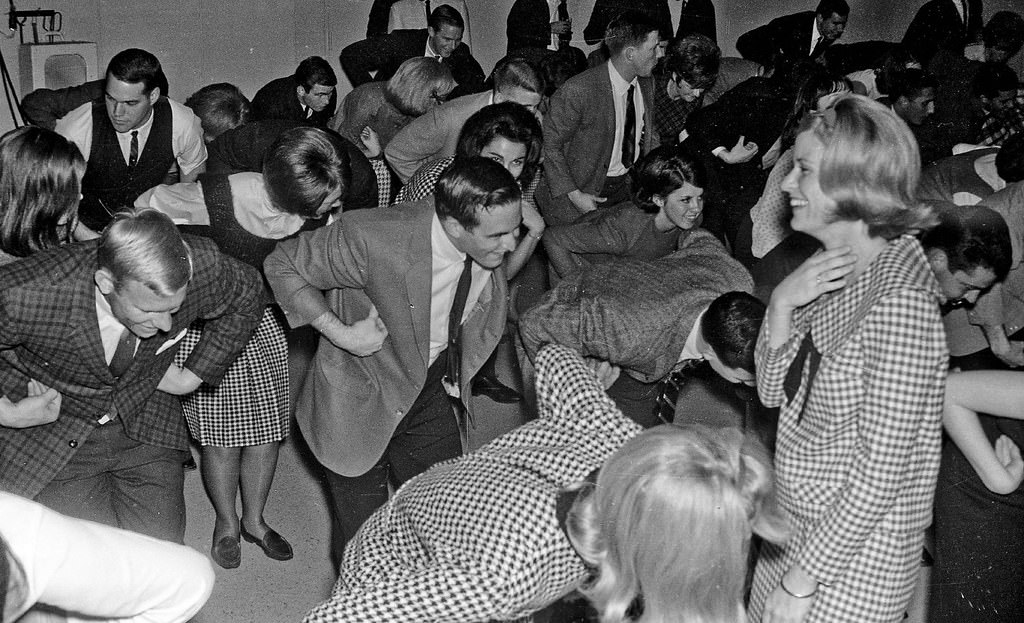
272,544
494,389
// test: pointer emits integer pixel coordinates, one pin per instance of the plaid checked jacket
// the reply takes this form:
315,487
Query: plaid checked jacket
857,468
49,332
477,538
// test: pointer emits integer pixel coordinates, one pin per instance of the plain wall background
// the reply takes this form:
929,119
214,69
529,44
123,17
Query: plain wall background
250,42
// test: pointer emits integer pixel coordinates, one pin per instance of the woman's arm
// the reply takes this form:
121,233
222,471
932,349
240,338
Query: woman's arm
995,392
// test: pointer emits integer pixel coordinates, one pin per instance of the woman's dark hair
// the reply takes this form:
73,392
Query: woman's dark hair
662,171
510,121
40,185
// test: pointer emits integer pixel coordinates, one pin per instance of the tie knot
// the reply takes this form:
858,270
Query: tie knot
135,134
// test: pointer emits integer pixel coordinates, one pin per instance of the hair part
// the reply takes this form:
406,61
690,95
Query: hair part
730,326
971,237
663,171
303,167
143,245
669,523
870,167
134,66
629,29
507,120
220,107
514,72
472,184
417,84
313,71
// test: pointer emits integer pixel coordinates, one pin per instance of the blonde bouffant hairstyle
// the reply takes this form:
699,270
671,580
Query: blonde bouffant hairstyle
669,522
870,167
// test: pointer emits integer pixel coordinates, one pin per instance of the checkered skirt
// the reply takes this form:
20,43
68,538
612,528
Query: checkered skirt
250,405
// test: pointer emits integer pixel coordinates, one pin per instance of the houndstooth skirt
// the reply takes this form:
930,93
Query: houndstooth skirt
250,405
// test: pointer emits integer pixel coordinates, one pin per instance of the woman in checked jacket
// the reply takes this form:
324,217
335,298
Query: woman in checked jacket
853,350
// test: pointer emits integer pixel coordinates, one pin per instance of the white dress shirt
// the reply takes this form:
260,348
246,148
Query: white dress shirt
619,90
446,263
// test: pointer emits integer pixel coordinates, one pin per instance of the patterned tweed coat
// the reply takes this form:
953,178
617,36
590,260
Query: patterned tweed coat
857,468
477,538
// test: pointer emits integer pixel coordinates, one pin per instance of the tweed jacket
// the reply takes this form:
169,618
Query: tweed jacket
278,100
579,129
477,538
857,454
636,313
49,332
349,406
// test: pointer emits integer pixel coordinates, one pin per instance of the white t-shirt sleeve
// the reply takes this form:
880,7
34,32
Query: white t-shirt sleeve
187,138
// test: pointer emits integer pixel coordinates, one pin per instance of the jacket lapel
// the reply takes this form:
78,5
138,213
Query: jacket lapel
418,278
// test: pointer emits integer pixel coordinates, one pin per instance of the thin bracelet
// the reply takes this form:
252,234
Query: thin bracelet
782,583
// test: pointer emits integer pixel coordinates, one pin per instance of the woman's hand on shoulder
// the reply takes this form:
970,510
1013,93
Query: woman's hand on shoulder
825,271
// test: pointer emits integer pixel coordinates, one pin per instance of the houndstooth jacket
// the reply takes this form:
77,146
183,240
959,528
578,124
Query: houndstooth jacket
477,538
857,455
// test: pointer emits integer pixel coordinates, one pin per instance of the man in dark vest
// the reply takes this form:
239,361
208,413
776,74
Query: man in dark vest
132,139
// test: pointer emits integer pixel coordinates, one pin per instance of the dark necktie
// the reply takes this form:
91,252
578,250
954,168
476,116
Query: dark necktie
123,354
426,6
629,130
563,16
133,152
669,388
454,376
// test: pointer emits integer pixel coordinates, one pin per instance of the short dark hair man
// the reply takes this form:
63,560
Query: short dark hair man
442,39
968,251
307,95
648,316
912,95
798,36
132,138
392,362
99,322
1001,101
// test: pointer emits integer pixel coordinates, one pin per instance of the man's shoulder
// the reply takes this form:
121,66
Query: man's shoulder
181,113
582,84
48,267
275,86
398,219
463,106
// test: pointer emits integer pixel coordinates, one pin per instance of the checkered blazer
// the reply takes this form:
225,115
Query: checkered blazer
49,332
477,538
857,470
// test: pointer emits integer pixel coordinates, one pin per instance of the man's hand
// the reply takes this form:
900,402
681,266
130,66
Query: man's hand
606,373
40,406
179,381
370,142
1011,353
362,338
585,202
740,152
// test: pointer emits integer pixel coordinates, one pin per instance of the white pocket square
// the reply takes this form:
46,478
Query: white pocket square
171,342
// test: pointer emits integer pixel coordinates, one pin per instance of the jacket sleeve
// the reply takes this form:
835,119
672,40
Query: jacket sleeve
418,143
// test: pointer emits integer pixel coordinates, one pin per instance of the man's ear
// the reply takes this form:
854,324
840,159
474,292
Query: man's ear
452,227
154,95
300,91
105,281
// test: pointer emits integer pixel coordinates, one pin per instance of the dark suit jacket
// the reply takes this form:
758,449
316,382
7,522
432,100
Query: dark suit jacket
377,23
43,107
698,16
386,53
937,25
528,25
278,100
606,10
579,130
49,332
349,406
789,35
245,148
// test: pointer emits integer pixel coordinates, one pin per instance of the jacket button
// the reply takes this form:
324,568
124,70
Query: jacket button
73,443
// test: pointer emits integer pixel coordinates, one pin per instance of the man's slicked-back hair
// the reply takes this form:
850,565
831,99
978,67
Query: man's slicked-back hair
220,107
730,327
971,237
910,83
514,72
443,15
628,29
826,8
313,71
143,245
134,65
304,165
473,184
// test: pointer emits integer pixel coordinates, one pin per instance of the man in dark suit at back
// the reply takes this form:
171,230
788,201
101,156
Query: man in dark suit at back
98,323
798,36
442,40
308,95
945,24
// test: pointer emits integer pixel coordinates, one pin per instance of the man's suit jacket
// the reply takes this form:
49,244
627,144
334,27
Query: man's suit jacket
636,313
245,149
528,25
938,24
433,135
789,35
579,130
278,100
385,54
606,10
349,406
49,332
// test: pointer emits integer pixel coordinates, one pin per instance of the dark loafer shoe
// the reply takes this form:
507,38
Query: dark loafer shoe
272,544
495,390
226,552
